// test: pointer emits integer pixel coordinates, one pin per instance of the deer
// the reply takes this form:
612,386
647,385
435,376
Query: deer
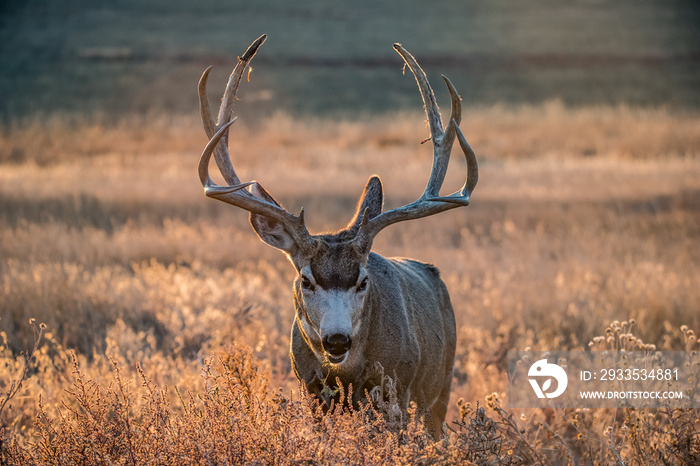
355,310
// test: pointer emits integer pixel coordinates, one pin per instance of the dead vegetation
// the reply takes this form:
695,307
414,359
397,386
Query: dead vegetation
167,322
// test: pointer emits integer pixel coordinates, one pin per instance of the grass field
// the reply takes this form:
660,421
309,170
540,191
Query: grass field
142,323
581,217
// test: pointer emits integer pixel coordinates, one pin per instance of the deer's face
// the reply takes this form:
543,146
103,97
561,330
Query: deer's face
332,286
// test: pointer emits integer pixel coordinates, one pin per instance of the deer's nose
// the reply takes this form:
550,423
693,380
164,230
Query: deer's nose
337,344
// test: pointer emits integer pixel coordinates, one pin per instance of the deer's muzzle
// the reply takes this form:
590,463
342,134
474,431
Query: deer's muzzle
336,346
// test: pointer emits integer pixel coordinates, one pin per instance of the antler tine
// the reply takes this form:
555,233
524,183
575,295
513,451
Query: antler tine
226,108
431,106
442,142
455,114
204,107
472,166
213,144
430,202
456,101
223,160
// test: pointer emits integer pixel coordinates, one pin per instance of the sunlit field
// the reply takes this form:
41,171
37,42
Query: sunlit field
163,323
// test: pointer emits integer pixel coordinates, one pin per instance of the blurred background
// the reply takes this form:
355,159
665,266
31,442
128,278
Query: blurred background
131,56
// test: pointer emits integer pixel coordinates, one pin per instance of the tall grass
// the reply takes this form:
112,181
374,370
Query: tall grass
167,321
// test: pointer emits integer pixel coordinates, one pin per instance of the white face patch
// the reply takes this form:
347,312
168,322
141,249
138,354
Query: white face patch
336,309
332,311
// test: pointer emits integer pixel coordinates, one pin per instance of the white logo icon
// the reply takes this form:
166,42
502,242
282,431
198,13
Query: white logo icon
542,368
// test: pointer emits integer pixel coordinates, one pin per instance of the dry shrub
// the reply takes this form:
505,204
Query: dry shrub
107,239
231,415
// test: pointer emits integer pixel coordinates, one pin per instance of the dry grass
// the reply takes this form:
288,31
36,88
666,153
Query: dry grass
167,321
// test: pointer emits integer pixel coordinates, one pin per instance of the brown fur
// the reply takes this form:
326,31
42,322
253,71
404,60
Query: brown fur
406,321
408,327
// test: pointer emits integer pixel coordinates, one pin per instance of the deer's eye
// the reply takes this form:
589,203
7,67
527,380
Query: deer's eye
363,284
306,283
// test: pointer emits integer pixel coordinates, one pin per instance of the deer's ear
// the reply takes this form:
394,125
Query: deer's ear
372,199
271,231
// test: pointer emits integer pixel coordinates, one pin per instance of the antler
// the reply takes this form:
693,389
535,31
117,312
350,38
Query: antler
430,202
262,203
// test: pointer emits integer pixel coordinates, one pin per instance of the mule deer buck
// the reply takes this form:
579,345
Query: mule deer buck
355,308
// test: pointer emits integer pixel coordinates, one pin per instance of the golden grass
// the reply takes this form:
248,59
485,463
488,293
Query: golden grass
168,320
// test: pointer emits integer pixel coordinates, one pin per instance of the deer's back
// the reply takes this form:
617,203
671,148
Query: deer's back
414,324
